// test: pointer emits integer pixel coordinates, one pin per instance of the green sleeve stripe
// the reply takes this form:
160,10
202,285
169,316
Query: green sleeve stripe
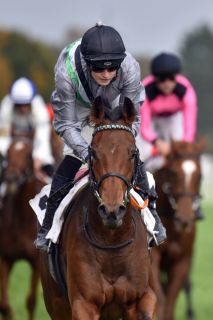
73,76
70,69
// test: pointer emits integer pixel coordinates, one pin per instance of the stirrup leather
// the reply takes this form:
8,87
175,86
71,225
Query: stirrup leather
148,219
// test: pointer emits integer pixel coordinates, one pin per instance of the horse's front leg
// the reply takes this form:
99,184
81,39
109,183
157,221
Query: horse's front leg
147,305
31,299
177,276
5,308
156,259
84,310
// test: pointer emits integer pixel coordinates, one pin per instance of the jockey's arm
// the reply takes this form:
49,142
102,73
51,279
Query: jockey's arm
134,90
190,115
6,111
66,121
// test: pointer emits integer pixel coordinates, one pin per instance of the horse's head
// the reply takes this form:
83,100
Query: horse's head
18,167
184,181
113,156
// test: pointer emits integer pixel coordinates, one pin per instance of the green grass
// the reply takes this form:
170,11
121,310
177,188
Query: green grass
202,279
202,274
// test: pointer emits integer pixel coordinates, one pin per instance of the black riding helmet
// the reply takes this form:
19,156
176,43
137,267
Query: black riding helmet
165,64
102,46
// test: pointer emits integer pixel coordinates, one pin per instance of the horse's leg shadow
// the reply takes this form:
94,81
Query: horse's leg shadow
5,308
190,315
32,296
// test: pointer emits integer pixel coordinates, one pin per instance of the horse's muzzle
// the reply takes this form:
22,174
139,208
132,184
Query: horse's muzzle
183,224
112,216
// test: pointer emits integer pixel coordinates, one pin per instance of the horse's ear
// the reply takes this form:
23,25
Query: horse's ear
176,147
97,111
128,111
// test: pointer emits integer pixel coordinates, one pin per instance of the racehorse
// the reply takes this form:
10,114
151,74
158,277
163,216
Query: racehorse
17,222
103,245
178,185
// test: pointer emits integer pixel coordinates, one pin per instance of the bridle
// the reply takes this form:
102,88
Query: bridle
173,197
129,183
26,175
96,186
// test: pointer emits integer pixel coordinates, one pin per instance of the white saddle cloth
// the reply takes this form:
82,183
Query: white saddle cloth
58,220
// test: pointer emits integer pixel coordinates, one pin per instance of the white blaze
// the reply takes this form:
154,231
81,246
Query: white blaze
189,168
19,145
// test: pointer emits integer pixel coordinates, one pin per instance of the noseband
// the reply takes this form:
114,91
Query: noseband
96,184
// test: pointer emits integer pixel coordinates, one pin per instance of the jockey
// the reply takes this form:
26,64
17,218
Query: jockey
23,112
107,69
169,111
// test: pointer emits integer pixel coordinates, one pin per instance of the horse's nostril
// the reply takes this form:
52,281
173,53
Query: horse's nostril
121,211
114,213
102,210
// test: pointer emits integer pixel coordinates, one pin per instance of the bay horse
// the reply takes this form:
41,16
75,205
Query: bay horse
103,245
178,185
18,225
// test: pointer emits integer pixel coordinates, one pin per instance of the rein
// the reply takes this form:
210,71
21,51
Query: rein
177,195
174,196
97,245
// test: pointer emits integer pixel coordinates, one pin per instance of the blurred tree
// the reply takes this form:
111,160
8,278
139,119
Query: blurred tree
144,62
74,34
197,54
21,56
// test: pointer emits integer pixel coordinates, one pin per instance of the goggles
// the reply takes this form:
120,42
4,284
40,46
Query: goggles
101,65
99,69
164,77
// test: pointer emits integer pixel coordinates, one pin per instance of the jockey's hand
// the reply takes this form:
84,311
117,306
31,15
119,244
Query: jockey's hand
39,173
163,147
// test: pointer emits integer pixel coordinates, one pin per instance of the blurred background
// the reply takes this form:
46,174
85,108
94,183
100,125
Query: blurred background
32,33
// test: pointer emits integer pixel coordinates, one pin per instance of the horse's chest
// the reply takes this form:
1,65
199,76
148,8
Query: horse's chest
127,287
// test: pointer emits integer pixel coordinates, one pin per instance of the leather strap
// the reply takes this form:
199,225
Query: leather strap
82,75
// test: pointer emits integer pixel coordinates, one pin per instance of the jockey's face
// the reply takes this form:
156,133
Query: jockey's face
104,77
167,85
23,109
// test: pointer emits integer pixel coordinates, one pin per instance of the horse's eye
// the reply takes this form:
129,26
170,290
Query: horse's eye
133,153
93,154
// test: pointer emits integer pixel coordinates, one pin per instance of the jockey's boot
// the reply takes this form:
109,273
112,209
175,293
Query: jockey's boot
159,229
60,187
146,190
58,183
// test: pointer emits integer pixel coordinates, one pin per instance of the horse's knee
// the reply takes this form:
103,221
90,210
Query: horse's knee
31,302
147,305
84,310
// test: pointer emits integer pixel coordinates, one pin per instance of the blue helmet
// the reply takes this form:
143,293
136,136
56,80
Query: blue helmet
165,64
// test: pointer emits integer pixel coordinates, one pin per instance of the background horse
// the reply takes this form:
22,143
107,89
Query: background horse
178,185
57,147
17,222
103,245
